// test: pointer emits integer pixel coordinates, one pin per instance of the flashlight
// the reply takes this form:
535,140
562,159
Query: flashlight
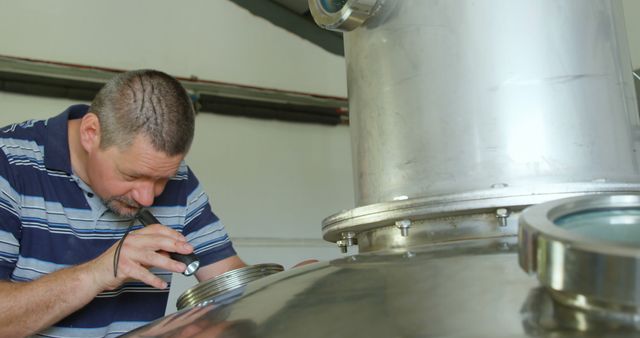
191,260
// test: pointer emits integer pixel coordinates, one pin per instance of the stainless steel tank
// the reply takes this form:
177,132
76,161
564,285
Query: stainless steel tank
498,103
463,113
465,97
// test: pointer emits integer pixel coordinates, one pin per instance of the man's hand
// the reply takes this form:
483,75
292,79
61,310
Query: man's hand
142,249
33,306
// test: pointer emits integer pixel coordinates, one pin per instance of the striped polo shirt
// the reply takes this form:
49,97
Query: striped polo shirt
50,219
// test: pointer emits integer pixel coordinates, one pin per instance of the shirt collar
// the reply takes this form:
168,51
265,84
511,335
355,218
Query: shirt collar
56,147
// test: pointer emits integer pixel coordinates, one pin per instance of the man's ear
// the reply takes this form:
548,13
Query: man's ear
90,132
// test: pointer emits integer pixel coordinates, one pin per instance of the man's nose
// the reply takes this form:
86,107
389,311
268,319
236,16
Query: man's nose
144,194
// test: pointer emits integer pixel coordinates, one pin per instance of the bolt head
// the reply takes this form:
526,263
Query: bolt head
405,223
502,212
347,235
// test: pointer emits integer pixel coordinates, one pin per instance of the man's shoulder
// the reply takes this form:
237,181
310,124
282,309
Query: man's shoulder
30,131
35,130
24,139
181,188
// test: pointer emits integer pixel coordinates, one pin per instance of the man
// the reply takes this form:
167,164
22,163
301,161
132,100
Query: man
70,188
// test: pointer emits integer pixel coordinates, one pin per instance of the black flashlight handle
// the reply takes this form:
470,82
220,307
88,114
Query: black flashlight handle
191,260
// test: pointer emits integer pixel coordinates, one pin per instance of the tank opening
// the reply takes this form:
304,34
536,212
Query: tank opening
620,226
333,6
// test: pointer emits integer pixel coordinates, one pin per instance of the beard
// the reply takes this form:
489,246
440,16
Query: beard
122,206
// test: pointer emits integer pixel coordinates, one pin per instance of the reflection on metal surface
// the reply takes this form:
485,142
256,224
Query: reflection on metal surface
226,282
199,322
456,290
463,289
542,316
586,250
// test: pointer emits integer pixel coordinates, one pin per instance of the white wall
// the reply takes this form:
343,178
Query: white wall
271,182
211,39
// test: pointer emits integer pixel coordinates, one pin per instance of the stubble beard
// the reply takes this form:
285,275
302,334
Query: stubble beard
123,206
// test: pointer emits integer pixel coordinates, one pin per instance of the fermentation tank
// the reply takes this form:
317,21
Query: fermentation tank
462,114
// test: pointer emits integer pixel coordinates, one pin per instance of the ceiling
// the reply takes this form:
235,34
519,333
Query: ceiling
294,16
299,6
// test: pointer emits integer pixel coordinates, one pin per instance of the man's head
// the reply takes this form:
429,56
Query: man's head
149,103
138,129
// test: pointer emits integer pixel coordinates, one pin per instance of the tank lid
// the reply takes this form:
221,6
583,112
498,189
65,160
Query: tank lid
585,250
225,282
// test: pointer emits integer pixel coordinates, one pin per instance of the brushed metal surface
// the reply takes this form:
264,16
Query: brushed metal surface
467,289
451,97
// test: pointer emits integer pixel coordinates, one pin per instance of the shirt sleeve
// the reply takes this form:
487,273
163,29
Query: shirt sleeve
203,229
10,225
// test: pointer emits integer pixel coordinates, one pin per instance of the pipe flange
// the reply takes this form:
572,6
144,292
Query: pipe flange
342,15
586,250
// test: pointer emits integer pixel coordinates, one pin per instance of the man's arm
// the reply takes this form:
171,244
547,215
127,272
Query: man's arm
219,267
28,307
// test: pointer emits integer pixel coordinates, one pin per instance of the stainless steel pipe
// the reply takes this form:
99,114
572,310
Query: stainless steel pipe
493,101
449,97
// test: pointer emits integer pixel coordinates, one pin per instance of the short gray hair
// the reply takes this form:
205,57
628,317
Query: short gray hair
145,102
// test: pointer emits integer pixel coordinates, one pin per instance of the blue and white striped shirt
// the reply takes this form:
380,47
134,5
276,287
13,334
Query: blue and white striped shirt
50,219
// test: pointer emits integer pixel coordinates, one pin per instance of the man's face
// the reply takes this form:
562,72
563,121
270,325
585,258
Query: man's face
128,179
